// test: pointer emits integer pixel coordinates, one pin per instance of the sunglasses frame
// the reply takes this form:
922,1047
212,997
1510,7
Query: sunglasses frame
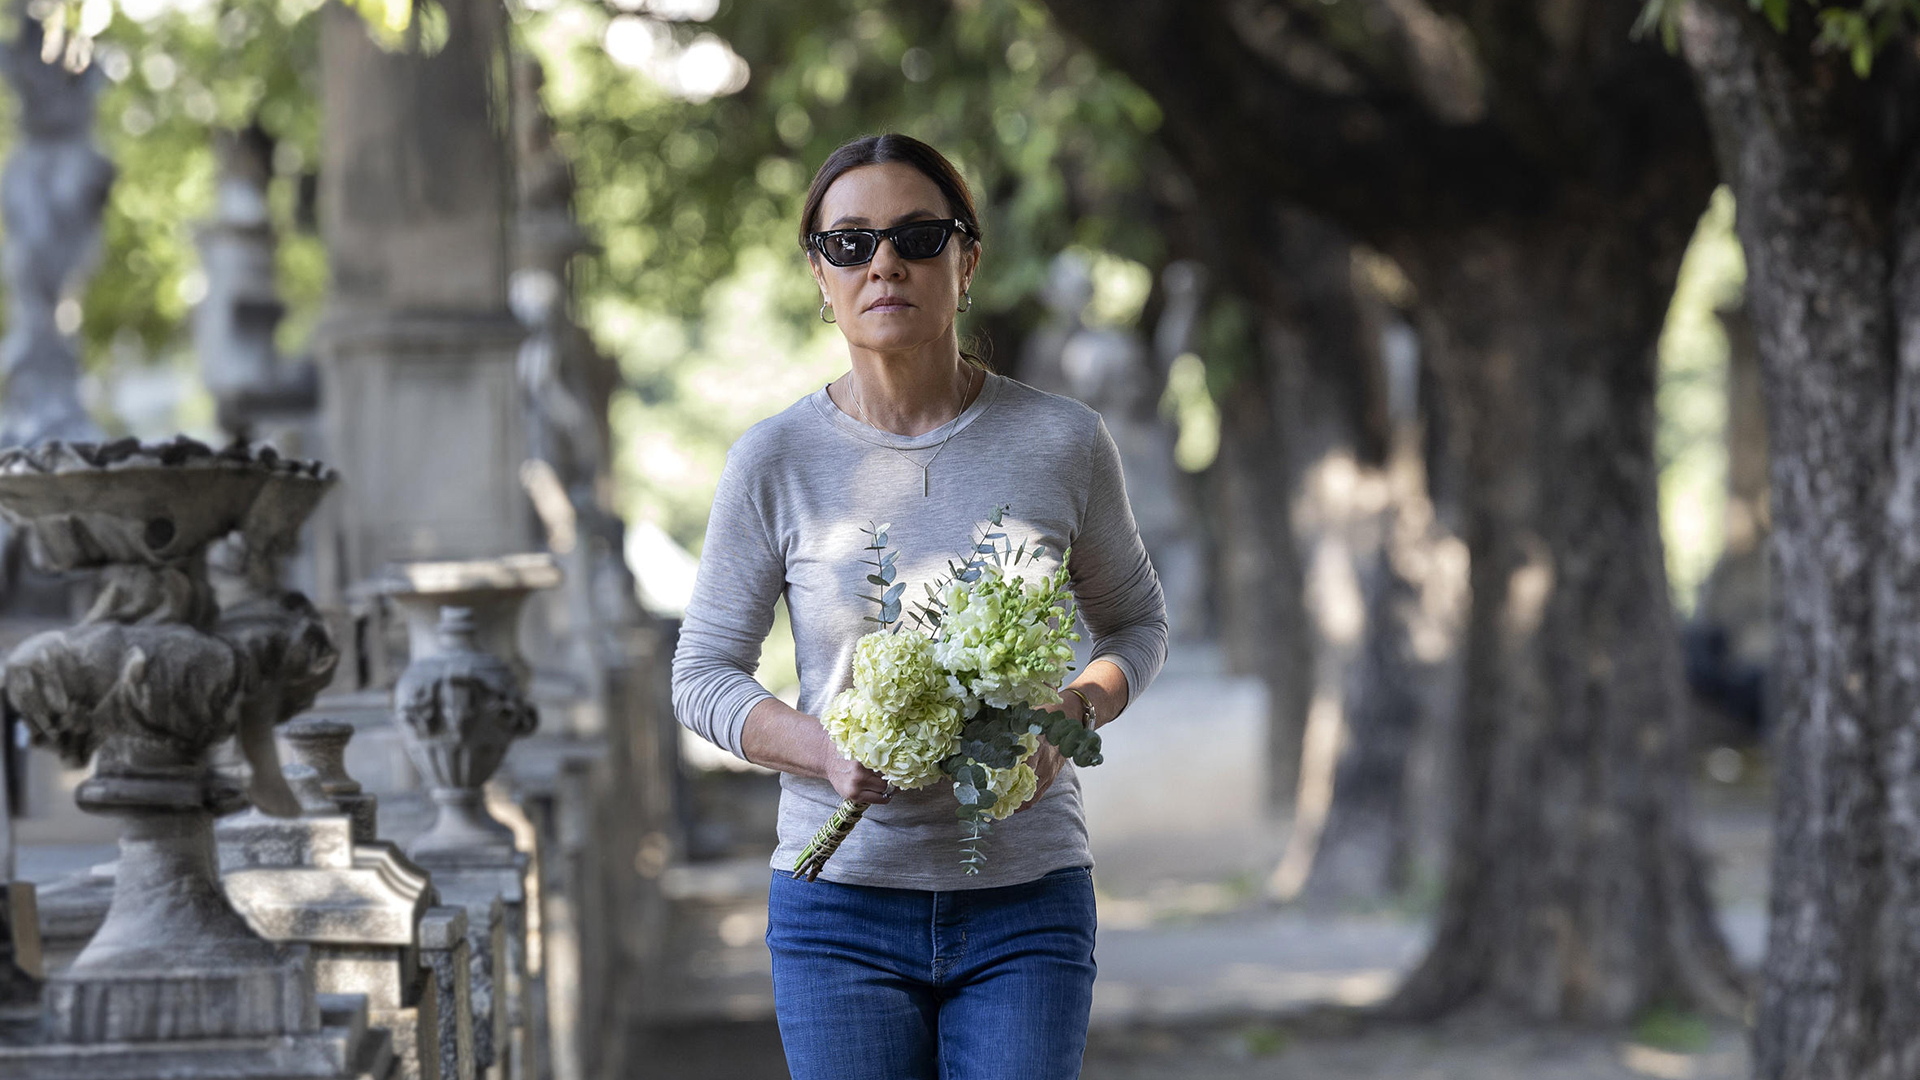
952,225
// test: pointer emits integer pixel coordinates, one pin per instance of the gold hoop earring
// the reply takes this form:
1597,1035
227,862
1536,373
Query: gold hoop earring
825,307
968,294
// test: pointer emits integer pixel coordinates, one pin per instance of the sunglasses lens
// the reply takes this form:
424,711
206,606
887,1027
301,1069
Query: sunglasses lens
846,248
920,241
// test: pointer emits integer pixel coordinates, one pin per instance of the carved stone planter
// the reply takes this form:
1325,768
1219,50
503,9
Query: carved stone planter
144,686
461,708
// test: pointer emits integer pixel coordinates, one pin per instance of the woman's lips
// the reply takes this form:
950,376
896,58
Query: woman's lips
889,303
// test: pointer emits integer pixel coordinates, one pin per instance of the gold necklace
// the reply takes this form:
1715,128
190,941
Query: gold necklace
926,481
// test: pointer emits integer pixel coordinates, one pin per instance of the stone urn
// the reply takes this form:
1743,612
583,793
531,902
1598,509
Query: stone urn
460,708
495,590
150,679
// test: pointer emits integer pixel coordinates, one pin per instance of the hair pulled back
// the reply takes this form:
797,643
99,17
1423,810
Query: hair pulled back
887,149
891,148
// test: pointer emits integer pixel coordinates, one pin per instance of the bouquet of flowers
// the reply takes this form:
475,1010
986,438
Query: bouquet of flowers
962,695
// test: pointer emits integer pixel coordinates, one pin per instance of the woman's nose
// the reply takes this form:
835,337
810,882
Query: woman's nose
887,263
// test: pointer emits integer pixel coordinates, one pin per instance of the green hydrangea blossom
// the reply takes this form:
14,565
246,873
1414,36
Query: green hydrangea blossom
1007,641
901,716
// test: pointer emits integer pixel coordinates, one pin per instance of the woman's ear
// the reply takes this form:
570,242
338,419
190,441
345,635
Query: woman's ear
813,267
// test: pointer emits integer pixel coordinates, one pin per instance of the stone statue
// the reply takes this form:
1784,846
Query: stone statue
1068,291
51,195
1112,370
233,328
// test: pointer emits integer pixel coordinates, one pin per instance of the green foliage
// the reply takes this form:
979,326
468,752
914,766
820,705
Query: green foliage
1859,31
700,287
1691,442
170,80
1676,1030
1265,1040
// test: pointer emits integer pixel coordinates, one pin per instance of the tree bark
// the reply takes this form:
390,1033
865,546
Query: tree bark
1825,174
1263,621
1575,889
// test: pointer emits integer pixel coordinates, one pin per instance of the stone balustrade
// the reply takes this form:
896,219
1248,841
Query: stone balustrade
455,940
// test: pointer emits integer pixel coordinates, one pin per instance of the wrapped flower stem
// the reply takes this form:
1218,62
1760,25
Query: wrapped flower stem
827,841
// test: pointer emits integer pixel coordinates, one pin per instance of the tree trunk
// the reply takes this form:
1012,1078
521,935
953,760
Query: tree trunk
1575,889
1349,841
1263,621
1828,187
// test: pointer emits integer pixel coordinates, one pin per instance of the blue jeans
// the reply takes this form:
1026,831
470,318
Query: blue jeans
905,984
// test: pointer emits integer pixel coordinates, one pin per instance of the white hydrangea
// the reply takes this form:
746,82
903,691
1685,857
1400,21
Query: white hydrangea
900,717
1014,786
1006,641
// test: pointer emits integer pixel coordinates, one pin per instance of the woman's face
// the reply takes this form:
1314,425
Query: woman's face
892,304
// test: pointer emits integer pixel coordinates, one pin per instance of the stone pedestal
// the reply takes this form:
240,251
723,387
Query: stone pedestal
423,412
356,905
174,982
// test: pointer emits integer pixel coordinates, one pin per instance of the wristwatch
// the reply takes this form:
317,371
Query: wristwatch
1087,716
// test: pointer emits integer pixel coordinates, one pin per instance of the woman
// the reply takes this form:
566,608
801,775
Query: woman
895,963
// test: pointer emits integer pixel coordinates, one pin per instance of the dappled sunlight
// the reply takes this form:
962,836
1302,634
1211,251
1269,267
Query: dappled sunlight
1320,750
1528,589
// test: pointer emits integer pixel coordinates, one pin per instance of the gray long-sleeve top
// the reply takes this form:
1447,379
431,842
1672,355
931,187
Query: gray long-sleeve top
797,489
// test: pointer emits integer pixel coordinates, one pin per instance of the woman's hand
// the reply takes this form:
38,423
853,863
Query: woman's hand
856,782
1046,766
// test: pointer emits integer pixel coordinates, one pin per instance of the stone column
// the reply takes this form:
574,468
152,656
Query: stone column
175,982
417,349
446,975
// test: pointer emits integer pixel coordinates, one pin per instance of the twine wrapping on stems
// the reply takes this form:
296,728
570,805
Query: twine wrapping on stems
827,841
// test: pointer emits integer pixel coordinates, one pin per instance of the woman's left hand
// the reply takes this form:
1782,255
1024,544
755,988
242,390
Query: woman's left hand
1046,765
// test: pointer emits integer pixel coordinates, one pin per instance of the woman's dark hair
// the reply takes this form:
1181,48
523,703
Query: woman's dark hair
883,150
906,150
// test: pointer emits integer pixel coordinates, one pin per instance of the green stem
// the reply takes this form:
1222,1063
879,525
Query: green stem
825,842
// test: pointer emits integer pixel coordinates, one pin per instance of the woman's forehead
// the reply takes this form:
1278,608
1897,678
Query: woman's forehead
881,194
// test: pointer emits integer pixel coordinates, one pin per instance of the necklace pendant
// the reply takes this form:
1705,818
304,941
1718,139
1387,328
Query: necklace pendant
926,482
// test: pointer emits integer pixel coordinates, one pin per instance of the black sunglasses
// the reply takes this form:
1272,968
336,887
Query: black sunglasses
914,240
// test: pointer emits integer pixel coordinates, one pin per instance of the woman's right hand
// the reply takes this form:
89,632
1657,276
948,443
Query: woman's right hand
856,782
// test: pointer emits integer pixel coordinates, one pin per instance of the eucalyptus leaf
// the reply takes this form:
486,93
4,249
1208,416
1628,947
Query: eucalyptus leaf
893,593
878,580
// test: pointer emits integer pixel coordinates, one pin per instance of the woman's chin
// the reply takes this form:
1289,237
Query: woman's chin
893,333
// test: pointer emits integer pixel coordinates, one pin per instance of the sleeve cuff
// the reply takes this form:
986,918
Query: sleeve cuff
1127,670
730,739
